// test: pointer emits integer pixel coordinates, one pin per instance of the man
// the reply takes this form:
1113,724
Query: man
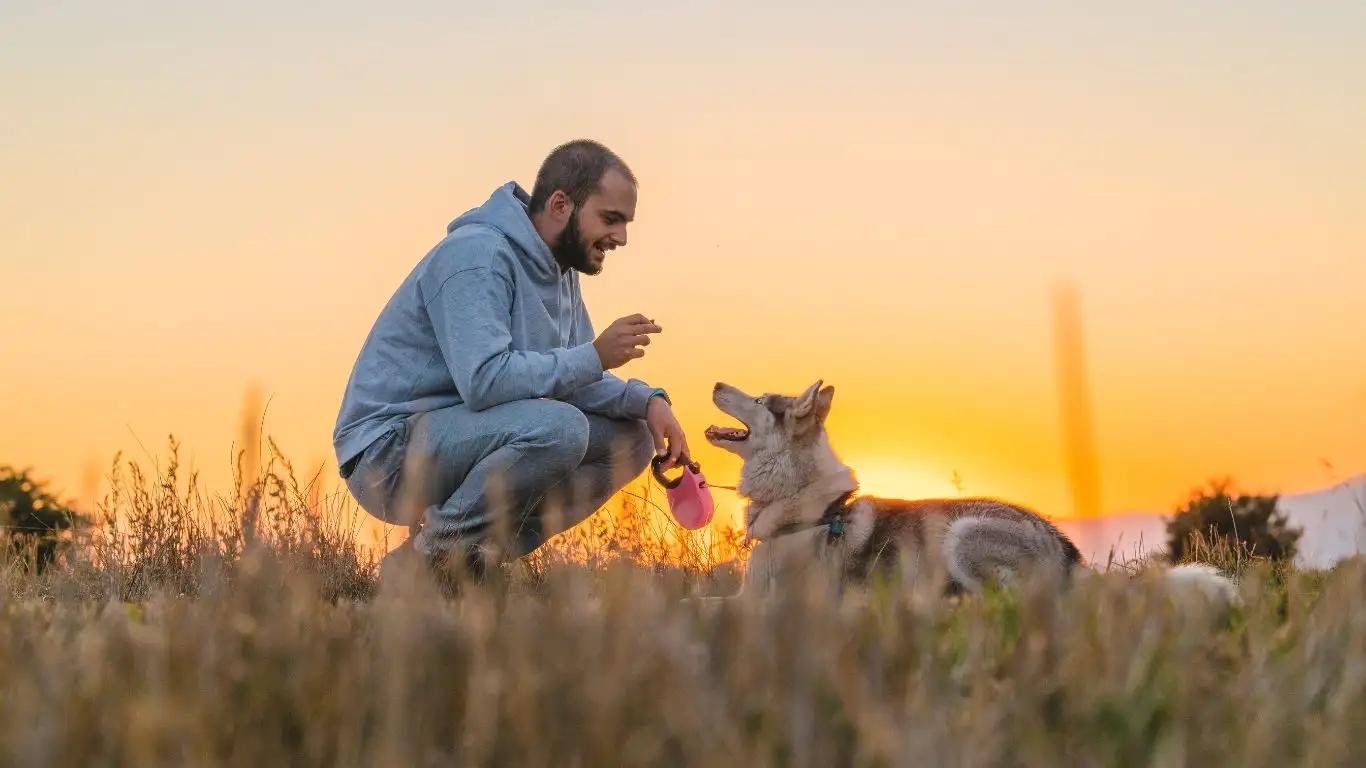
481,387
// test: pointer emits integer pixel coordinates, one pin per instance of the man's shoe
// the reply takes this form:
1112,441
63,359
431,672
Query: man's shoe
406,562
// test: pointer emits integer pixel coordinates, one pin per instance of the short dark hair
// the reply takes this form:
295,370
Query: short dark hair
575,168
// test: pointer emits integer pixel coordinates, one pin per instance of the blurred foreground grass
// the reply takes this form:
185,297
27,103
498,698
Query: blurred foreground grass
185,630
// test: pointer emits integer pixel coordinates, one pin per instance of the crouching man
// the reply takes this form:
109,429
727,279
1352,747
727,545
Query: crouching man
482,397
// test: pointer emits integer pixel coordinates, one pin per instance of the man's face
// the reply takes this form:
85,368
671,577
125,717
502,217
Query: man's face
597,226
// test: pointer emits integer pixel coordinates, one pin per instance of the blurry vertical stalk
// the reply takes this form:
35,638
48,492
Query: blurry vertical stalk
1075,401
250,434
249,464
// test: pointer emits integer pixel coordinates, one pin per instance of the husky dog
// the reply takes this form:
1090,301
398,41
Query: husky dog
802,502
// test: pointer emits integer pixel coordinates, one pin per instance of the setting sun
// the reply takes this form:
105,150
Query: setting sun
897,478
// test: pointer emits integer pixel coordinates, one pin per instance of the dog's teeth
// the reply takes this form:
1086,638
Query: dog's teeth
727,433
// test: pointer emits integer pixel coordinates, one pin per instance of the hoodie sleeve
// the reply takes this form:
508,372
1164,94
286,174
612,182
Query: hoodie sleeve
469,312
610,396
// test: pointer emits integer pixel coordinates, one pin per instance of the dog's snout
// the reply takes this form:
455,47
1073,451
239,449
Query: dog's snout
717,387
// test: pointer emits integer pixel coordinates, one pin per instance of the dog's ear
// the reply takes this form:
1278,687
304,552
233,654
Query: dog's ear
823,399
805,403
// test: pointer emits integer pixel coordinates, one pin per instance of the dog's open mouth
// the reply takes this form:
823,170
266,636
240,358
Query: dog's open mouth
727,434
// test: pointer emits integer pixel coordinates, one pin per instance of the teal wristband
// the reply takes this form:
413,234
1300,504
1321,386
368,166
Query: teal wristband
660,393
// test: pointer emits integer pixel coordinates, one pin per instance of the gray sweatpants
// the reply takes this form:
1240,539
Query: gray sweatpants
540,466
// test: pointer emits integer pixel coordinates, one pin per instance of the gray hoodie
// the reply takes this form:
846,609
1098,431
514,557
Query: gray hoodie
486,317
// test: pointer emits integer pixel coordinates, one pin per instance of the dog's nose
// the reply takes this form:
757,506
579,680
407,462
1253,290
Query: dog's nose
717,387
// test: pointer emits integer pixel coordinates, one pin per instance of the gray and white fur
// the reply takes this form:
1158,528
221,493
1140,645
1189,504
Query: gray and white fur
802,501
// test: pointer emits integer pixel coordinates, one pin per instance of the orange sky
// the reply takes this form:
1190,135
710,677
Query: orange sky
198,200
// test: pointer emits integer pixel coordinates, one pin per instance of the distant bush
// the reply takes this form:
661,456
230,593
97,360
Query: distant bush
1244,523
32,517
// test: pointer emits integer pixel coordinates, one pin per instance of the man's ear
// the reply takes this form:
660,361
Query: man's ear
559,205
805,403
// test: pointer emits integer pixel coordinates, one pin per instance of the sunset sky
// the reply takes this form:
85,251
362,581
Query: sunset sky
202,198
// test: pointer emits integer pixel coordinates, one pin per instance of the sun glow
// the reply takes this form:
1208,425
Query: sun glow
881,476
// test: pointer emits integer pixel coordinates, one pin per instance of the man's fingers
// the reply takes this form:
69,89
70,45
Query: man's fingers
638,324
678,447
639,339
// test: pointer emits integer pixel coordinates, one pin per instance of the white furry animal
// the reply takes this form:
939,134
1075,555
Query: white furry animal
802,501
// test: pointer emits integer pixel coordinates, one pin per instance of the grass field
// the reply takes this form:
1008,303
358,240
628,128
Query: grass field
187,630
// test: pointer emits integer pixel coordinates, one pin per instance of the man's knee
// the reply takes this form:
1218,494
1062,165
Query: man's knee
558,429
629,452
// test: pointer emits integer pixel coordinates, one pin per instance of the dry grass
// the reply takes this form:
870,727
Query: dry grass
246,630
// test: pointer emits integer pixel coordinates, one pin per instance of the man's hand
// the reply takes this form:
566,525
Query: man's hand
667,432
621,341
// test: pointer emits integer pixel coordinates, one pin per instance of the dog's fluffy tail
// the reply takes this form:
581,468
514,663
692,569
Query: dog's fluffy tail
1203,579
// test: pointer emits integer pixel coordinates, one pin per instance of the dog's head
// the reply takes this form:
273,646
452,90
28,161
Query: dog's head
773,423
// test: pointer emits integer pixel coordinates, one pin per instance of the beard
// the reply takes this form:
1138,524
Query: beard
569,249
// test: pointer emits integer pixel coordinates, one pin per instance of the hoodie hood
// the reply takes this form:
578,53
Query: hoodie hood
506,211
449,335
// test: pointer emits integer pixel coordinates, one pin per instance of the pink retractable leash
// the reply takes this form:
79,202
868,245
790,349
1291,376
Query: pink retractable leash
689,500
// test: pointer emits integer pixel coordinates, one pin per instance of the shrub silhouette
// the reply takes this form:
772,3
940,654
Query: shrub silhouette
1249,523
33,518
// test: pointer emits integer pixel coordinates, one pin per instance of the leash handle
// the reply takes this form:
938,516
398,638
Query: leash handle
692,465
658,461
